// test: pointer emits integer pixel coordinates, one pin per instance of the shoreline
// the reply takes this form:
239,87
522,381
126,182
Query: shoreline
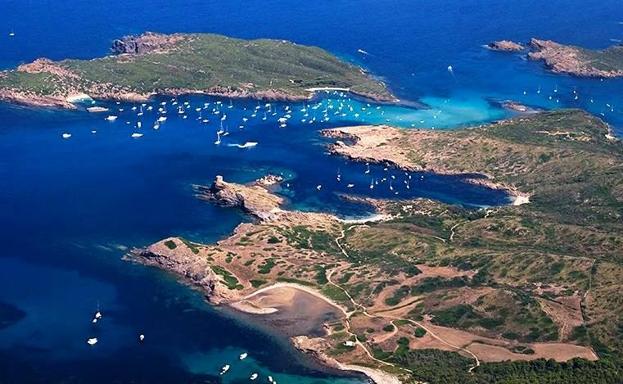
70,102
376,375
340,148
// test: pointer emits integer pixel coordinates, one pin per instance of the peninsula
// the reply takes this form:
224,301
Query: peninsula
430,292
569,59
150,64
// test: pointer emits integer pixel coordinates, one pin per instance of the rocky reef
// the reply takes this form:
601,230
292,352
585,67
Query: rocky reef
506,46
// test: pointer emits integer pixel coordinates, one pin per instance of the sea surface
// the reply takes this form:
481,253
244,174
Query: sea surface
70,208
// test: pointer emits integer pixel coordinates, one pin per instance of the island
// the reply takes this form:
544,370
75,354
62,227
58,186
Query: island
569,59
431,292
158,64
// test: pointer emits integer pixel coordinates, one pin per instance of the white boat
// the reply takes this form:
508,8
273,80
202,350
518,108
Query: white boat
11,34
66,135
253,376
225,369
350,185
98,315
248,144
141,337
218,138
136,135
139,124
243,356
162,119
156,125
111,118
92,341
270,379
319,187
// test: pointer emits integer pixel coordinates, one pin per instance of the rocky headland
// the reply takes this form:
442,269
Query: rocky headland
569,59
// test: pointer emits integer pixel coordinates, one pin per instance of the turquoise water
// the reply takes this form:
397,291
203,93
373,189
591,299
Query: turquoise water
71,207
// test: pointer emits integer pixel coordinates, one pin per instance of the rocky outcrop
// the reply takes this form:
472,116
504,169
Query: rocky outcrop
145,43
194,270
572,60
253,199
44,65
505,46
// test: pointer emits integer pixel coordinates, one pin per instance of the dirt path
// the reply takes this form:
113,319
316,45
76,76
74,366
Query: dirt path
393,318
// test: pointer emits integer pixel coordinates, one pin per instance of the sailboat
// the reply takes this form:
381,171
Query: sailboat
225,369
218,138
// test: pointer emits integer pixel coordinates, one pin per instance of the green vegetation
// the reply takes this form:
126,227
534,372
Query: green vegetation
431,284
230,280
170,244
609,59
443,367
256,283
398,295
267,266
192,246
569,235
203,62
334,293
419,332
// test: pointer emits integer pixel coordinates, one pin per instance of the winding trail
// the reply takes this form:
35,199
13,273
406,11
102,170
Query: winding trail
360,308
365,312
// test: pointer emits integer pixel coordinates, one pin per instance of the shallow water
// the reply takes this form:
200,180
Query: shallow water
70,208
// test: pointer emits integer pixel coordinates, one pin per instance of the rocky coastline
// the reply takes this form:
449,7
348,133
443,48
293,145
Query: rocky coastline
571,60
349,144
186,260
505,46
568,59
120,76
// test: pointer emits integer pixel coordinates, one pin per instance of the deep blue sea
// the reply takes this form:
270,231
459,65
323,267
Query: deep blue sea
70,208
